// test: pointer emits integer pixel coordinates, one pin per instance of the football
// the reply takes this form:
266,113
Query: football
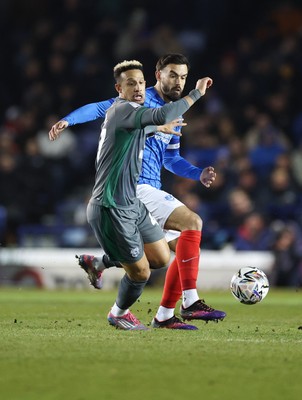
249,285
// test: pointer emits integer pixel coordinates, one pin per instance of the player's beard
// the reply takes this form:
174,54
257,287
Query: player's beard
171,93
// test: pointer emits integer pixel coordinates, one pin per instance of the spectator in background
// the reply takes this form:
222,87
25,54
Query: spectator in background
56,151
11,196
296,129
209,204
296,163
248,180
62,157
37,194
265,143
287,249
253,234
164,40
135,35
240,205
238,157
281,198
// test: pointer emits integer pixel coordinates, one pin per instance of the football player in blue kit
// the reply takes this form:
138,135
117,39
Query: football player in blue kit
182,227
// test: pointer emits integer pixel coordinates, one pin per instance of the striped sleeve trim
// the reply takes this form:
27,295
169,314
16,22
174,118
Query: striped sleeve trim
173,146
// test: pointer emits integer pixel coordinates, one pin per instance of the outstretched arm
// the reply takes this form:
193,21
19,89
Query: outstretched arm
169,128
179,166
87,113
169,112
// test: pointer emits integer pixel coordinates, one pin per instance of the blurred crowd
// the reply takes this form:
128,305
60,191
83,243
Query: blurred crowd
59,55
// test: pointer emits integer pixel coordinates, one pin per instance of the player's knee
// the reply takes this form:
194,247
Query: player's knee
193,222
161,261
139,275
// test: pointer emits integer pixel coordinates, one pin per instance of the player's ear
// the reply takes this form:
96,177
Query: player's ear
157,75
118,87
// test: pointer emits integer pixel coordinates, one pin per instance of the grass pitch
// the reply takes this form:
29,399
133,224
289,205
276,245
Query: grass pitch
58,345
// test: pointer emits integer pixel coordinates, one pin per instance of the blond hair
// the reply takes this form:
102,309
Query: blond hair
125,66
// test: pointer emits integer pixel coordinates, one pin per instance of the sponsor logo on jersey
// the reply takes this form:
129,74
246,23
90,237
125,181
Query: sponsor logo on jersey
163,137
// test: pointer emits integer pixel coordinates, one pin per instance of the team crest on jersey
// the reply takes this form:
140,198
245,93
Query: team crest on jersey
169,197
134,252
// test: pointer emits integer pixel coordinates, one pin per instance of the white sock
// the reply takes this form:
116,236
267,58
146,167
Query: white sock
164,313
189,297
118,312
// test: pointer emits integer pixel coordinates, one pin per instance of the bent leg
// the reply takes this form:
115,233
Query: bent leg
172,286
182,219
157,253
131,285
128,292
187,251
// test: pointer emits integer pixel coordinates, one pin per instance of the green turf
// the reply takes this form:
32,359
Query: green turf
58,345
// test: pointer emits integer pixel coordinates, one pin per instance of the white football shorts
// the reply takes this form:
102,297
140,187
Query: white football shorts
160,204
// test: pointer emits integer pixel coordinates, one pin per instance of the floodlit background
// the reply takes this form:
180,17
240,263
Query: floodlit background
59,55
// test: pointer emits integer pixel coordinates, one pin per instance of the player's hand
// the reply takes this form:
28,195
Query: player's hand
57,129
170,127
208,176
203,84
